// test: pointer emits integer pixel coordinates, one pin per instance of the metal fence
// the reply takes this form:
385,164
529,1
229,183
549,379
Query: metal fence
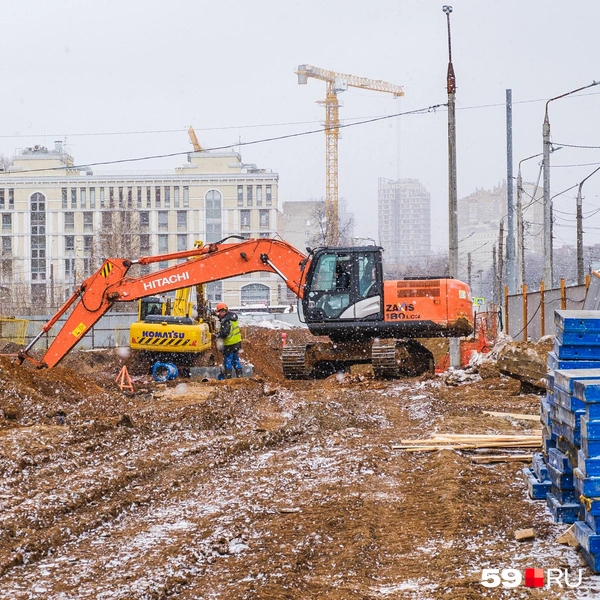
112,331
13,330
530,315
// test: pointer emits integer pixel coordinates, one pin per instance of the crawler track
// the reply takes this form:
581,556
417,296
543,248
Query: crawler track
293,360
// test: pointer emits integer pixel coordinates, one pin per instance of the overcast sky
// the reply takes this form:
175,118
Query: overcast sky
122,79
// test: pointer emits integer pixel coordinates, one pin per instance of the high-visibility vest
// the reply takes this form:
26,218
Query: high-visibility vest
235,335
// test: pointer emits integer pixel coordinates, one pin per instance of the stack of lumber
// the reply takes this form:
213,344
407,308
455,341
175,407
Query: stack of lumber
457,441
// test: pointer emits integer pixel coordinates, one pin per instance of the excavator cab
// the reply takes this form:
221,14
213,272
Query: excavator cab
344,290
151,305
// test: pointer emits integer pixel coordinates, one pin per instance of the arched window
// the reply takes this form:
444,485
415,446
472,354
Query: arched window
212,203
255,293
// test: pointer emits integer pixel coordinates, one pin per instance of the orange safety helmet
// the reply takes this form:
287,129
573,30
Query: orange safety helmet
221,306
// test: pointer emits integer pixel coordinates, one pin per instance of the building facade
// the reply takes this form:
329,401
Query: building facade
404,220
60,221
479,217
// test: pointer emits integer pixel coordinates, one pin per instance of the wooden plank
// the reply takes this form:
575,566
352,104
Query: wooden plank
447,439
484,460
465,446
524,534
518,416
484,438
568,537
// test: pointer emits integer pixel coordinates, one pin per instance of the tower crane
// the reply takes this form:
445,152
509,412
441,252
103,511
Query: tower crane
194,140
337,82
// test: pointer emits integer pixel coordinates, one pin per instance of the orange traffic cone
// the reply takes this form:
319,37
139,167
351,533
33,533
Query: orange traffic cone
124,380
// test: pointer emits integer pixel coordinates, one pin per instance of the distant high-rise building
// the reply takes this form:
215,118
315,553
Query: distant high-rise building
404,220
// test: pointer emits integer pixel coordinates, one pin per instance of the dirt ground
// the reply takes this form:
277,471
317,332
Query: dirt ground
260,488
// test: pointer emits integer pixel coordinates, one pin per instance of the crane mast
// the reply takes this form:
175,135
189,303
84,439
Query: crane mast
337,82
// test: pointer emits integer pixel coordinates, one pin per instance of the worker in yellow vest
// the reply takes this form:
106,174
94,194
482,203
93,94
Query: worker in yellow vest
231,337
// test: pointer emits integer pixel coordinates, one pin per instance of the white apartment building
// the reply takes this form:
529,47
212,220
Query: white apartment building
404,220
60,221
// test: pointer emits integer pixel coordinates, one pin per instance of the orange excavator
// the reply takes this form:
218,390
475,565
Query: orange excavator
342,295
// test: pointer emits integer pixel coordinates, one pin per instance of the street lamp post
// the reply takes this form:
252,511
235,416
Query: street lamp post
510,236
452,188
548,277
454,343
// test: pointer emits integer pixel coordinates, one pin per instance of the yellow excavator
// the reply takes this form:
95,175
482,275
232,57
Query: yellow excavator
167,328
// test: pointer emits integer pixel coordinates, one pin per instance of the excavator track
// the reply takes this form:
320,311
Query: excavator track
390,358
400,358
383,358
293,360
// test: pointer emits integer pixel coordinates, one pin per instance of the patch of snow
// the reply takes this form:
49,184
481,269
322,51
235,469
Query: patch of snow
275,324
410,585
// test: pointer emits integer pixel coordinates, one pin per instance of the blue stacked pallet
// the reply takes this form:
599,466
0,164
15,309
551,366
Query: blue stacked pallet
587,473
546,408
577,340
567,413
570,415
536,478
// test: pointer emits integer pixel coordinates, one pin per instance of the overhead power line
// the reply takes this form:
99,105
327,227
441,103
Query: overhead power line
419,111
576,146
256,126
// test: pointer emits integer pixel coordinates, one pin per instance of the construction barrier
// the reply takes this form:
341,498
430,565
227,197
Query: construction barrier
13,330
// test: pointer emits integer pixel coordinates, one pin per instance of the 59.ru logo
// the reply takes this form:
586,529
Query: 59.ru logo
532,578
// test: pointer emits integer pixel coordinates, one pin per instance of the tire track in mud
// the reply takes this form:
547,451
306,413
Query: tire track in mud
230,471
57,496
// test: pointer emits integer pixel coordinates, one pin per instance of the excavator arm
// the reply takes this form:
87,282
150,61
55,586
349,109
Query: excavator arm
213,262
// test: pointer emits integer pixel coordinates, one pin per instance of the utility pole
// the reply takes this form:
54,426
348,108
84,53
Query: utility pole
510,235
547,238
520,225
579,219
547,149
520,254
452,188
580,276
500,261
454,343
496,284
469,268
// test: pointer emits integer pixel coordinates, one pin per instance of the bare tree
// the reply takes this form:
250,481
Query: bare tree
119,236
344,229
5,162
